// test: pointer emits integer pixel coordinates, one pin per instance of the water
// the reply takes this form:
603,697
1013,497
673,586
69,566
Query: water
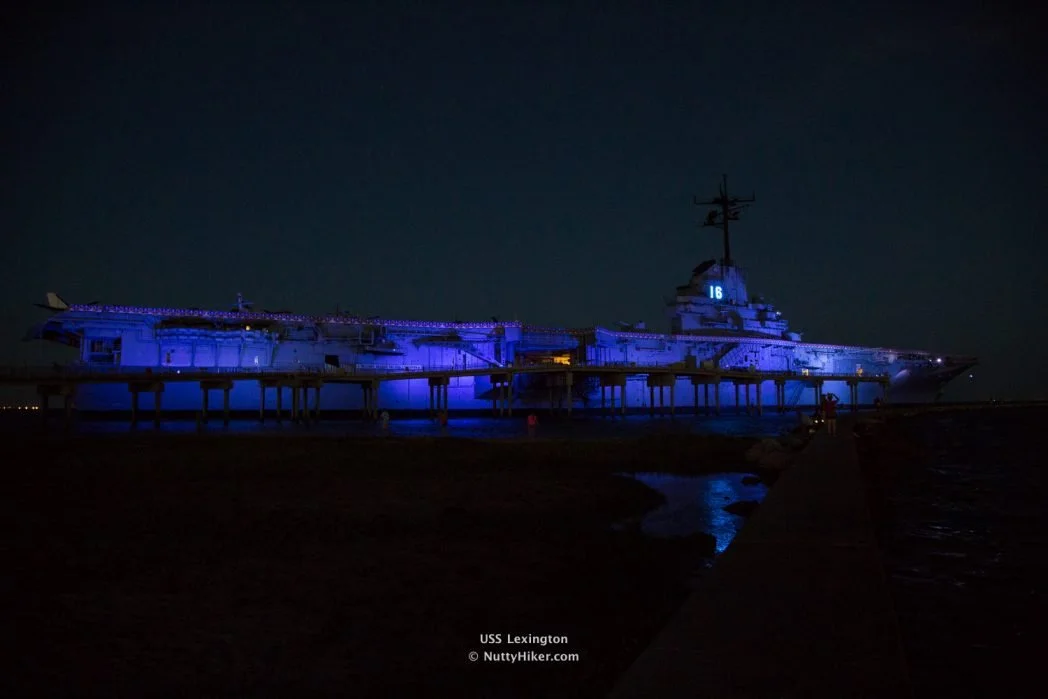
966,543
695,504
578,427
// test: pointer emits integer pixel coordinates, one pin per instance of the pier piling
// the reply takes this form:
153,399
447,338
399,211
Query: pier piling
67,406
558,382
134,407
567,391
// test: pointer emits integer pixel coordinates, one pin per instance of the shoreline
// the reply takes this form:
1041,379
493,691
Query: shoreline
304,566
305,563
559,415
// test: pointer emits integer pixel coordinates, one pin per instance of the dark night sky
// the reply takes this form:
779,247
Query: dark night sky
441,161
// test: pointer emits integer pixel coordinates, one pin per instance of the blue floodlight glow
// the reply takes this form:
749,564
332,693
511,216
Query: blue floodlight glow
716,292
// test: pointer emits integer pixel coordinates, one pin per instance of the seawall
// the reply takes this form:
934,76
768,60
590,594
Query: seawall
797,606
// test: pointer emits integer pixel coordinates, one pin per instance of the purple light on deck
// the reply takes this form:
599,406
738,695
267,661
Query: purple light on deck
298,318
447,325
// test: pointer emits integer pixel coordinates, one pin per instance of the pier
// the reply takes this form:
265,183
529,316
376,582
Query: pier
798,605
560,379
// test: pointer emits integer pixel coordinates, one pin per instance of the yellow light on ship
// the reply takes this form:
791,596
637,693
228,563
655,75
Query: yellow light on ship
247,327
564,359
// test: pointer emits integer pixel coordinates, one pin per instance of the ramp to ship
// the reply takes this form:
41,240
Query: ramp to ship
797,606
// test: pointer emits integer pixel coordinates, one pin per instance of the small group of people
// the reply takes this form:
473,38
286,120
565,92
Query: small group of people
829,412
825,413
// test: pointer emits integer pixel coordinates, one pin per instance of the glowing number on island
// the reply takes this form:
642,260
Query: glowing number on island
716,292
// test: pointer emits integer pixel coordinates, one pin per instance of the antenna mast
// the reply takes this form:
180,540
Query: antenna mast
729,208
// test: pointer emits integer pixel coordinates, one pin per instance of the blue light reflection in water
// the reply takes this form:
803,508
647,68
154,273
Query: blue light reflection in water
696,504
582,427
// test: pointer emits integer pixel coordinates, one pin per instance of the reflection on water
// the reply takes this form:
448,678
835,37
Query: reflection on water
695,504
579,427
964,547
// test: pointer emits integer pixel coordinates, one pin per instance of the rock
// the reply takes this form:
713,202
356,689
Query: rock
755,452
743,508
793,441
758,450
867,427
777,460
769,453
705,544
751,480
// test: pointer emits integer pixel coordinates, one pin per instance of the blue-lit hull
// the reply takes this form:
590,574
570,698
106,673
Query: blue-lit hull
716,327
476,393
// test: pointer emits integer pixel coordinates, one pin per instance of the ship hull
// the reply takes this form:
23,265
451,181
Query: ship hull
134,339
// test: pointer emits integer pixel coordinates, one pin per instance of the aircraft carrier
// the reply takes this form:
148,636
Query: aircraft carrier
715,326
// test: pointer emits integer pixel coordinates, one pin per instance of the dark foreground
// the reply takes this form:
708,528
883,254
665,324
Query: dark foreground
295,566
959,498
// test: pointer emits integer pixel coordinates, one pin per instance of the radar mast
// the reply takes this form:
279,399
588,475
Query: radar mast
728,210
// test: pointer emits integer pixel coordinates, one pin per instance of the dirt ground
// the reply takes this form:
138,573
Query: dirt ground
301,566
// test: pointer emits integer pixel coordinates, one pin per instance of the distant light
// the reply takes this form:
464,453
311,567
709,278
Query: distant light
247,327
938,360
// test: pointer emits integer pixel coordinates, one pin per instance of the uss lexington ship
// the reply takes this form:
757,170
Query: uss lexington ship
715,326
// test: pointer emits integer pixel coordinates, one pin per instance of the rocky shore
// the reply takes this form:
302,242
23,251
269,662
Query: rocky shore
155,565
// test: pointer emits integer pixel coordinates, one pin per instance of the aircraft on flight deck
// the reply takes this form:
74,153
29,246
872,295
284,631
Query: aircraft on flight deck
56,303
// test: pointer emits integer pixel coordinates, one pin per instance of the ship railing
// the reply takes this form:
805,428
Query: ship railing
57,371
31,371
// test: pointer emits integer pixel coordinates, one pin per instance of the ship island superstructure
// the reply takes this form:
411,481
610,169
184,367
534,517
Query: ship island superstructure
720,337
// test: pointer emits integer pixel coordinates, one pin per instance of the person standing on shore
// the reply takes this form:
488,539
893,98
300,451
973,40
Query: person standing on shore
829,412
443,420
385,421
533,423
